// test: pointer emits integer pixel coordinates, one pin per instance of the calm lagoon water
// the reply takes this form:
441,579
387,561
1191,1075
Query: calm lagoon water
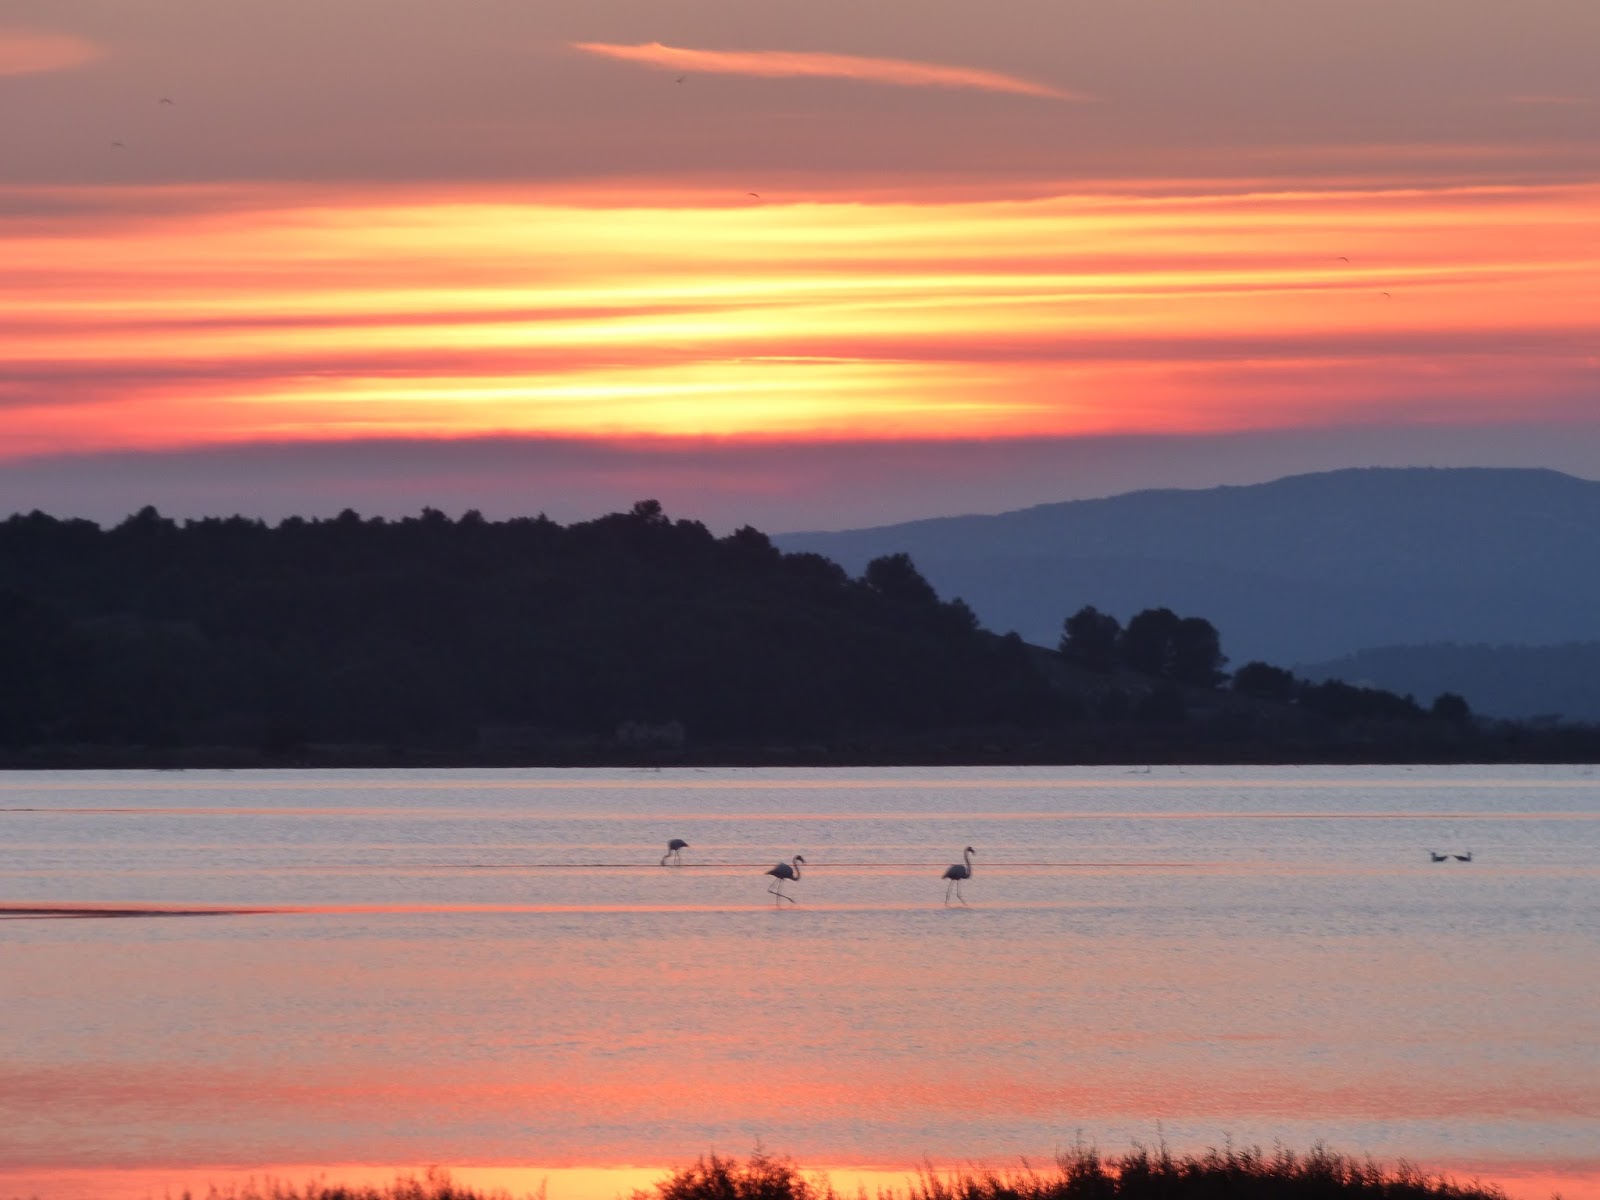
491,969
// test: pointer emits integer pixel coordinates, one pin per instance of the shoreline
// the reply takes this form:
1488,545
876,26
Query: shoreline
1119,754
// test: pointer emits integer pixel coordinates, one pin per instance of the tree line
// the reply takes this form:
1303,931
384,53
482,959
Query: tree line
431,632
626,637
1188,650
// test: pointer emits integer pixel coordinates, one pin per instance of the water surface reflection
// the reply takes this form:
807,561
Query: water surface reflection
479,968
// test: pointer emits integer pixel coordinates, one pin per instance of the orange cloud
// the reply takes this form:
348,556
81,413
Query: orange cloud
790,64
25,53
489,313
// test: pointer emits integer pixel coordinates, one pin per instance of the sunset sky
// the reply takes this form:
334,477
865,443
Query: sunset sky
807,266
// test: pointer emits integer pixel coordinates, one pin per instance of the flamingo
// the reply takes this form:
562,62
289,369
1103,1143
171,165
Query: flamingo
784,870
955,873
675,849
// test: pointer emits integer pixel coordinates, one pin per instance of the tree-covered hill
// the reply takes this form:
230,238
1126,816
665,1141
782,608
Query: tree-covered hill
439,633
1520,682
630,638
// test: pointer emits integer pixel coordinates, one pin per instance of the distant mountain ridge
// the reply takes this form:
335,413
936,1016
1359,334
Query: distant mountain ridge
1518,682
1304,568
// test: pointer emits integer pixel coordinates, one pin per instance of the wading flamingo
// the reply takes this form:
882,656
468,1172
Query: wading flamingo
956,872
784,870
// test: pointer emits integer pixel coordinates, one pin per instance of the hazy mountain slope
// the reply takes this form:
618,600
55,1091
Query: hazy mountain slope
1300,569
1499,681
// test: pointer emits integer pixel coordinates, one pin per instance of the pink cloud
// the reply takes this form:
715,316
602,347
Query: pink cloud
790,64
25,53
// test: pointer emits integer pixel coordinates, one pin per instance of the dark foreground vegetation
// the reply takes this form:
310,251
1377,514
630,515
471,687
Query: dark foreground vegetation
434,1184
1082,1174
1085,1174
630,639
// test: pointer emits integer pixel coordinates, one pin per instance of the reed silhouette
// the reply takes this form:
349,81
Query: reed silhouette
433,1184
1083,1173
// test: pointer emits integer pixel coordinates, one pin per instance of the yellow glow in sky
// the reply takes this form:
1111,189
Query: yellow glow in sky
479,312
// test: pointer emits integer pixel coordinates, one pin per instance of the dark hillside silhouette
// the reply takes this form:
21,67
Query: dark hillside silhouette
430,632
1520,682
629,638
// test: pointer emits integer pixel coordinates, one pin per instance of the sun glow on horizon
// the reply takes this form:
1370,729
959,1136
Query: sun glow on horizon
1090,313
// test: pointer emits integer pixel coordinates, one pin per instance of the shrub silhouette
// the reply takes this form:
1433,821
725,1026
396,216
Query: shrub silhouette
1084,1174
762,1177
433,1184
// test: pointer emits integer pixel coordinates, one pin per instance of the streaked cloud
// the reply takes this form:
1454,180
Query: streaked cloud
798,64
271,317
27,52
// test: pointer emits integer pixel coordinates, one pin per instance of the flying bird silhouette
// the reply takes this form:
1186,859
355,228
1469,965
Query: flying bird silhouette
675,849
955,873
781,872
164,100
